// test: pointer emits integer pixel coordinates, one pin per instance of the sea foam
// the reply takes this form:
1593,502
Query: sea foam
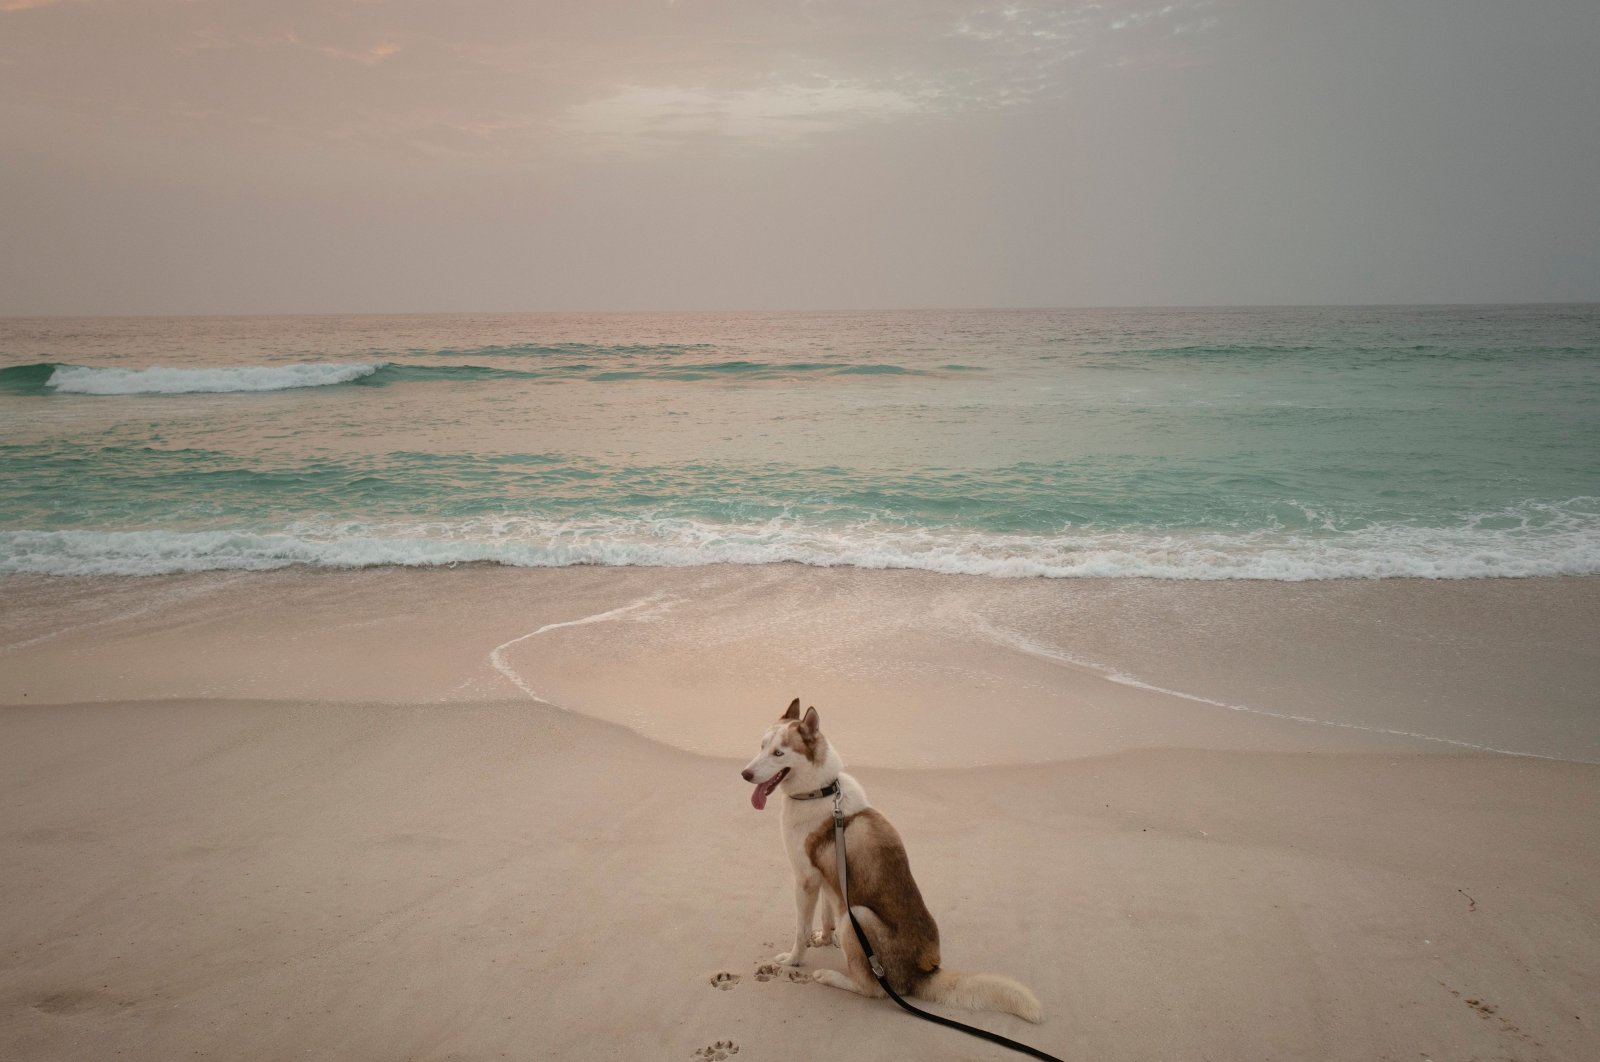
1372,553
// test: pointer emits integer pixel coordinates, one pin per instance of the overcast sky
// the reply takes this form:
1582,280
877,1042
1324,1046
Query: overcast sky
237,156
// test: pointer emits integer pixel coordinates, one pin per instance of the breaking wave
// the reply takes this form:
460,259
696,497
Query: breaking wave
1373,553
46,378
49,377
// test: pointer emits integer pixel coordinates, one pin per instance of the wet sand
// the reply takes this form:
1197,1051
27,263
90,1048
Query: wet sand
341,815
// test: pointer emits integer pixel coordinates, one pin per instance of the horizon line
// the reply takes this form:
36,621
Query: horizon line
808,310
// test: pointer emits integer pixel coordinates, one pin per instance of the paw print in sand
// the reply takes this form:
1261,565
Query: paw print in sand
771,971
724,980
717,1051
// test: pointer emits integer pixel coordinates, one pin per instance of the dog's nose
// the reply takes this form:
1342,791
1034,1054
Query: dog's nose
746,775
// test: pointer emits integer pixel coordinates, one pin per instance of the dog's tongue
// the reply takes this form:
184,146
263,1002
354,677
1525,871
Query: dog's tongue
758,798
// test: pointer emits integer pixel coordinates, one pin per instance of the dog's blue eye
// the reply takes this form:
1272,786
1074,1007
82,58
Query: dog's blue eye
777,752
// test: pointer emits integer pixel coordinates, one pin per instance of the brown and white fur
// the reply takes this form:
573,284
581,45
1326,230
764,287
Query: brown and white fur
796,758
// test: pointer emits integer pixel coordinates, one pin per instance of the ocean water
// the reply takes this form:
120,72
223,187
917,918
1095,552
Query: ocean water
1283,444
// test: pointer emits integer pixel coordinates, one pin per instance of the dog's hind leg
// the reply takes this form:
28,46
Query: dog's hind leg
860,979
835,979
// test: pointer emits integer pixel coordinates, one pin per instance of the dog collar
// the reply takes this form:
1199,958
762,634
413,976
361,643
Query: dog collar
816,794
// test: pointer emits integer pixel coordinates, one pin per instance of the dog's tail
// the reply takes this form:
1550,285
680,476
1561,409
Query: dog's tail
980,991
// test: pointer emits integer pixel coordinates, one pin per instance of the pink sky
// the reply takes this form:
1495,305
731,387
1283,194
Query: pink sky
206,155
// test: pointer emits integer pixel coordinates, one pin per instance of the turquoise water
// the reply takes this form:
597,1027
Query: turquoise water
1236,443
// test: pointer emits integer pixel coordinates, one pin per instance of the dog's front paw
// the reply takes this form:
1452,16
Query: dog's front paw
789,958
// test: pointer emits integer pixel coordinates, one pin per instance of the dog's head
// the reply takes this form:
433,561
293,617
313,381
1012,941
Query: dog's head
793,751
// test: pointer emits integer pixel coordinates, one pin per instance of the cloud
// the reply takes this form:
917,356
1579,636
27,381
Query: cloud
782,111
366,56
807,70
536,80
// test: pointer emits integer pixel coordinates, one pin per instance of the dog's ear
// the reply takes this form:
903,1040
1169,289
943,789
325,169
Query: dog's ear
794,709
810,723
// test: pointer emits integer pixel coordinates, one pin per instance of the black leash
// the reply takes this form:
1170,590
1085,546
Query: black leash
877,967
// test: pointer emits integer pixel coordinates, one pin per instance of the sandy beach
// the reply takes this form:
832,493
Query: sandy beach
484,812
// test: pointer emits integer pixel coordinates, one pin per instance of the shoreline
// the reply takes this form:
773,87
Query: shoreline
1063,668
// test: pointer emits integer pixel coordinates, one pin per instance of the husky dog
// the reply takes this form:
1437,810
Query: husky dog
798,761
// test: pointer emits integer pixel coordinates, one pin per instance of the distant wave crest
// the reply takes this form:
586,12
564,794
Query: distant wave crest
46,378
